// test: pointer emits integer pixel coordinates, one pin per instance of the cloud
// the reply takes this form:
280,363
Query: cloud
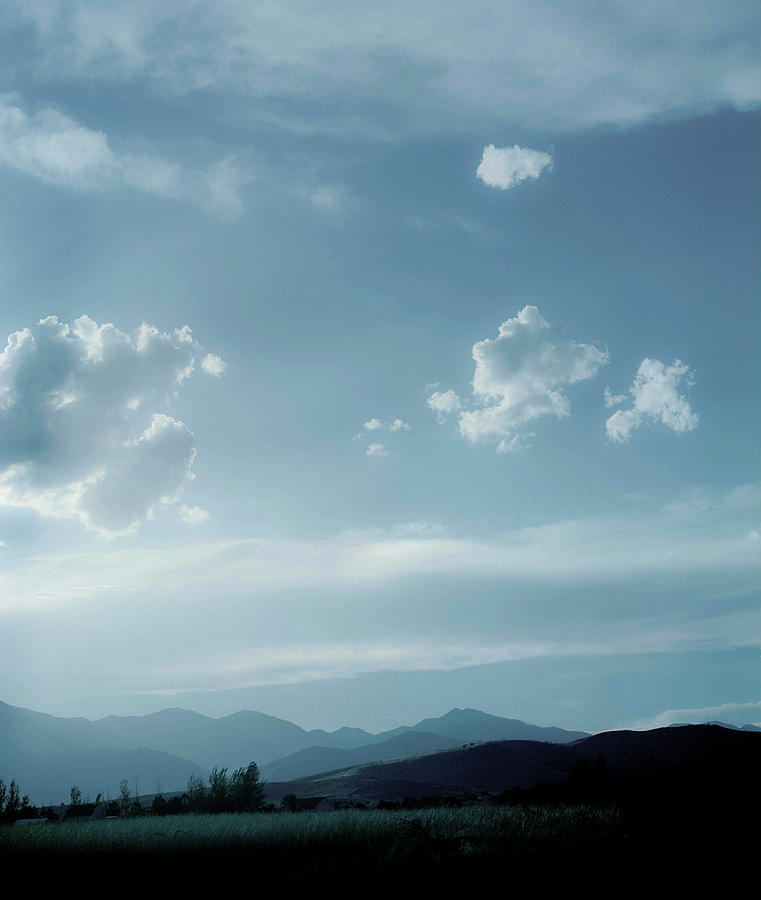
519,377
330,199
377,450
213,364
504,167
79,440
558,66
55,149
377,425
516,442
443,403
656,398
737,714
193,515
701,499
225,181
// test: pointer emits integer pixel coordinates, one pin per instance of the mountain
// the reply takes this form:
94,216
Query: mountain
44,753
704,758
457,727
47,755
747,727
467,725
324,759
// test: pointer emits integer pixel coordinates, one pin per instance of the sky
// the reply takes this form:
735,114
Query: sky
362,361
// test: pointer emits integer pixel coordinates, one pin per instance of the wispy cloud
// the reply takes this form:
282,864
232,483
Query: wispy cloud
377,450
558,66
55,149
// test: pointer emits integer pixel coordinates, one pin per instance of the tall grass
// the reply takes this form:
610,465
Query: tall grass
393,833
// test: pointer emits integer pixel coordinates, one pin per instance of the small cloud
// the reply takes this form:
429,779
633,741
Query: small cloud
193,515
377,450
443,403
612,400
516,442
225,181
377,425
330,199
505,167
213,364
656,398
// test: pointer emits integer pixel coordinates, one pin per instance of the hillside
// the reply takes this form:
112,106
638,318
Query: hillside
693,754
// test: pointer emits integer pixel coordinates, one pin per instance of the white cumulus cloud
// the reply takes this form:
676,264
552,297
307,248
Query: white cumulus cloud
78,437
504,167
213,364
443,403
656,397
520,375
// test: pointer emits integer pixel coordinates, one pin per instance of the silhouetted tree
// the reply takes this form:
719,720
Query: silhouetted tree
219,798
196,794
246,789
124,795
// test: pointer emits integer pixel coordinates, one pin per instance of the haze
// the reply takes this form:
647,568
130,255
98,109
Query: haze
367,361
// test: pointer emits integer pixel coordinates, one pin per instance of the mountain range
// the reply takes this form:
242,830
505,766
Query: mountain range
700,761
158,752
47,755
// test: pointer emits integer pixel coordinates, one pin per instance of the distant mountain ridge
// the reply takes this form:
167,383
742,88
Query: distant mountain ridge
457,727
47,754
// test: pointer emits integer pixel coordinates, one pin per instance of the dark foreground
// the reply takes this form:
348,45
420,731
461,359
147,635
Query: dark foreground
519,846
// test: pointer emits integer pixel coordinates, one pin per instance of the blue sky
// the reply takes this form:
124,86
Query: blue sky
354,354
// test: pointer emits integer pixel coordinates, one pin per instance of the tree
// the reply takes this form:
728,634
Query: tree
289,802
76,795
247,789
124,795
196,794
219,799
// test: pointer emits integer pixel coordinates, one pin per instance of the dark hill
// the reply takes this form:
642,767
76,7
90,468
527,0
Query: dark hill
696,756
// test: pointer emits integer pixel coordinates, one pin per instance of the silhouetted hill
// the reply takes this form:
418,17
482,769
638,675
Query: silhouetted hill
699,755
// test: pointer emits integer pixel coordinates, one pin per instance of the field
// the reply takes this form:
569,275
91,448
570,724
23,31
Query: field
376,847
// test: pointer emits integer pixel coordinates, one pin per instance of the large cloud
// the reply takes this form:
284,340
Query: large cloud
551,65
656,398
520,376
77,437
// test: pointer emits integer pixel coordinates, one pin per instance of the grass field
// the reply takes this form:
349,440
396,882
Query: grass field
377,848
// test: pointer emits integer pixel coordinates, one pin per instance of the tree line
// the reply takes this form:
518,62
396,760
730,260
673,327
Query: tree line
239,791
